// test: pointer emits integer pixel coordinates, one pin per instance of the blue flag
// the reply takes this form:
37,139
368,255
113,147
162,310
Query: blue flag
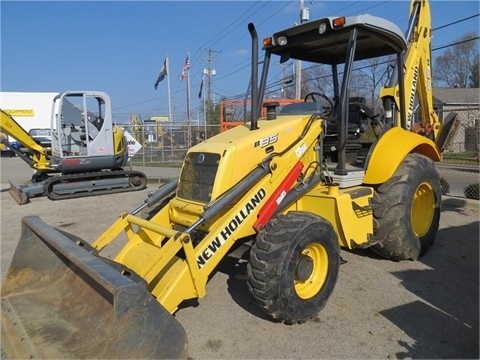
162,74
201,88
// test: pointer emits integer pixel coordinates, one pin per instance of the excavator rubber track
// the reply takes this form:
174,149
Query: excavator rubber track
92,184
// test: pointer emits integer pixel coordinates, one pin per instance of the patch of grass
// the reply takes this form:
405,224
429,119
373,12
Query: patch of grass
466,157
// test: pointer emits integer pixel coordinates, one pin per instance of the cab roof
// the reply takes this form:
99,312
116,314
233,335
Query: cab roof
375,37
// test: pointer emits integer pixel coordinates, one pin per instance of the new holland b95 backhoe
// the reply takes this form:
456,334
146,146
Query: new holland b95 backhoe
297,187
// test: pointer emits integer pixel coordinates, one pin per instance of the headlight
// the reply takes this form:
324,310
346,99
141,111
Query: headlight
322,28
282,40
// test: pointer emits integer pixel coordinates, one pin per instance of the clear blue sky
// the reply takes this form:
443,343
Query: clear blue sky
119,46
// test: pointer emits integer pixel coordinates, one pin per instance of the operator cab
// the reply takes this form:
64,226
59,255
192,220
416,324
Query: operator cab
84,137
338,42
81,129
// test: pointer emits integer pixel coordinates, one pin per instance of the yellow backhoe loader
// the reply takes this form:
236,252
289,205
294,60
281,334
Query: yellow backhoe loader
295,186
87,155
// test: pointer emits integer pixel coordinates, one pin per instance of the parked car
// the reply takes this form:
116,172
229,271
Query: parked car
42,137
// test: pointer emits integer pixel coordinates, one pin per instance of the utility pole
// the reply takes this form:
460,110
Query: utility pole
209,71
304,17
204,101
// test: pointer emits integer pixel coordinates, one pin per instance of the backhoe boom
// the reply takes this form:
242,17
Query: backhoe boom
401,94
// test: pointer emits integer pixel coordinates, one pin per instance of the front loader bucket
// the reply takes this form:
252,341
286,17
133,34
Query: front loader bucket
61,301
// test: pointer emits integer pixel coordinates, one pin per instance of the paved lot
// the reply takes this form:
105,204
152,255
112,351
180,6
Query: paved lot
379,310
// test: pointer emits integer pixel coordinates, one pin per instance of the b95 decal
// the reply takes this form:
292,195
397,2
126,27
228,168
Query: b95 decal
266,141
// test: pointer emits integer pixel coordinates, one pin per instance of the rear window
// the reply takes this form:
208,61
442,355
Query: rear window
40,132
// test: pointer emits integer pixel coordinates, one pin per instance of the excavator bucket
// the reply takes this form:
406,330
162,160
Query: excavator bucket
61,300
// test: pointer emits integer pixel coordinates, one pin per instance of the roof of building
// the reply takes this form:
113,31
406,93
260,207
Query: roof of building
452,96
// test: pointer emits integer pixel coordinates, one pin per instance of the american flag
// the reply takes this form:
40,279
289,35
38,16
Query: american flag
185,68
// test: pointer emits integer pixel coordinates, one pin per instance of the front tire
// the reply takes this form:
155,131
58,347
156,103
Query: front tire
407,210
294,265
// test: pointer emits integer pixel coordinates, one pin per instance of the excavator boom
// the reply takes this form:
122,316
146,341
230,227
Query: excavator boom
37,155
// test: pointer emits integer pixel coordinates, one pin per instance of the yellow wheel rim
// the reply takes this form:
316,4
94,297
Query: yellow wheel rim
423,209
311,271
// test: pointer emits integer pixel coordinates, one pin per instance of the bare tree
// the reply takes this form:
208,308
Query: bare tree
319,78
371,74
367,77
474,77
459,65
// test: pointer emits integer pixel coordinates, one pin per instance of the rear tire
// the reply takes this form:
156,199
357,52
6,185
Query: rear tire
294,266
407,210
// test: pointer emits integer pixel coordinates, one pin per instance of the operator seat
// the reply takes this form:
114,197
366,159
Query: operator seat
358,115
98,122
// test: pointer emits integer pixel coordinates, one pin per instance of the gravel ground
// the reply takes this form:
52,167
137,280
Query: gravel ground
379,310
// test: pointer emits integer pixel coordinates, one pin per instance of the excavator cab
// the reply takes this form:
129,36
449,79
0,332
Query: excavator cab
82,136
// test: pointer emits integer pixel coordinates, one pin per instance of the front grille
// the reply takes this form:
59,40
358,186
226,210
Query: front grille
198,176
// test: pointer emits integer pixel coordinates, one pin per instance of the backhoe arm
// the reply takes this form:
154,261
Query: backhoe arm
417,79
37,157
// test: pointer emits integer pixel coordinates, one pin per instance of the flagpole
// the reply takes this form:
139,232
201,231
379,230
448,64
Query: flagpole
188,92
204,113
168,85
169,107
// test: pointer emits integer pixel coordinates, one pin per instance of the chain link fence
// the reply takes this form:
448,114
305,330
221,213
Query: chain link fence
165,144
459,170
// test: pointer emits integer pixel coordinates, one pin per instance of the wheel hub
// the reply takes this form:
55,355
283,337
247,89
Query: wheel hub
423,209
311,271
304,268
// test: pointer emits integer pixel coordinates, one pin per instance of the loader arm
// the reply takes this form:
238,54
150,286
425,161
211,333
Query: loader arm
37,157
177,250
417,79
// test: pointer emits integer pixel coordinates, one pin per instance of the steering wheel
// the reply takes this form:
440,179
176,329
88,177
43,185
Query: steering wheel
325,97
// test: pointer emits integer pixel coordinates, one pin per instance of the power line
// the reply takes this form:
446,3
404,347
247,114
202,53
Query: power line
434,49
456,43
225,31
456,22
228,29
